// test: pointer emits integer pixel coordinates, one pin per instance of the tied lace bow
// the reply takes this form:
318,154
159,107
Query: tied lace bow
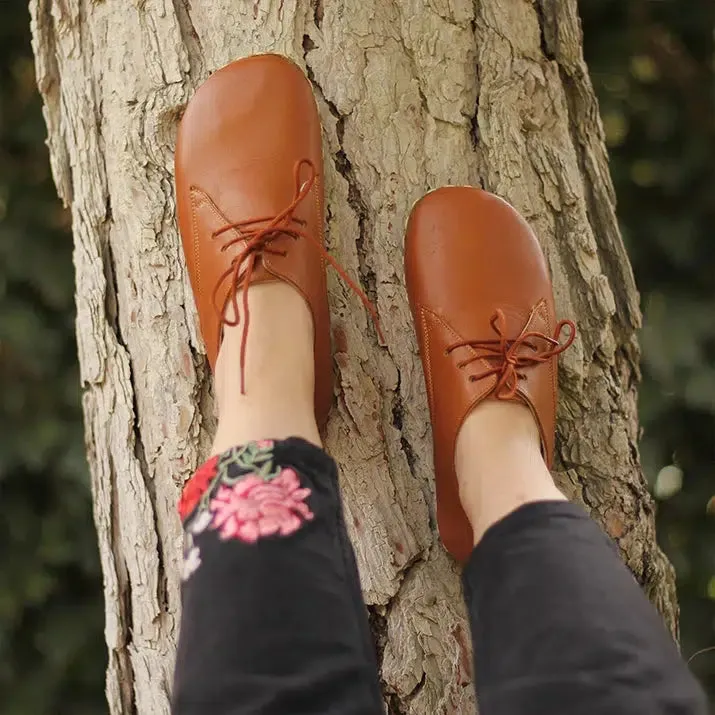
257,233
512,356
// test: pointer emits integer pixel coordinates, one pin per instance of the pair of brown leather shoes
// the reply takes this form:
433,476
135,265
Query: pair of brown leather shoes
250,204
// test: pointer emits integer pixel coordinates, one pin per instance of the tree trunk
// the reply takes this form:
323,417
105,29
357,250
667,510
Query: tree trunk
413,94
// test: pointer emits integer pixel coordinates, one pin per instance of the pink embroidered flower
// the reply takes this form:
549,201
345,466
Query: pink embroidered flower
265,443
196,486
253,508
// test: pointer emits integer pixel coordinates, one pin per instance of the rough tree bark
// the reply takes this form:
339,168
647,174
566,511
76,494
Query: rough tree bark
413,94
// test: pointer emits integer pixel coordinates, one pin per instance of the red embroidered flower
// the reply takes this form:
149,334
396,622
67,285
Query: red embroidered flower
196,486
254,508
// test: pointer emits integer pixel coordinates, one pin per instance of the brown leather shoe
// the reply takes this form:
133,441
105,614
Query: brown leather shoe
249,185
483,307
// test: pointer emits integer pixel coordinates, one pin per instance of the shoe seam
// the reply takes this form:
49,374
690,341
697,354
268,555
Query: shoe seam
195,241
427,359
319,191
194,192
426,333
543,311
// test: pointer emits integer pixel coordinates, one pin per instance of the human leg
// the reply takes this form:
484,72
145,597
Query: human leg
273,620
559,625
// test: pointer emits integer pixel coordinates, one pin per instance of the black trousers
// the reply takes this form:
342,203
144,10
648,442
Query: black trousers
274,623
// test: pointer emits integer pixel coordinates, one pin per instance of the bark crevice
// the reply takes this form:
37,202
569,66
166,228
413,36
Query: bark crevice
124,670
190,38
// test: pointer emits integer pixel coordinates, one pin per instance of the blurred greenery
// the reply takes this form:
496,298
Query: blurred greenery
652,66
652,63
52,656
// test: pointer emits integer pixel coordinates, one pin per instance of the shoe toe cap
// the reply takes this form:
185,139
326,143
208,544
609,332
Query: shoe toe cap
467,244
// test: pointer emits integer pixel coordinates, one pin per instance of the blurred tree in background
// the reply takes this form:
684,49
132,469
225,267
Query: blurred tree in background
52,655
652,65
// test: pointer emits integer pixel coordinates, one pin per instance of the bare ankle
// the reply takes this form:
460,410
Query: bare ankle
252,423
499,464
278,400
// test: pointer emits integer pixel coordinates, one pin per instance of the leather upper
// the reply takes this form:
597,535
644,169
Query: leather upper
469,254
241,138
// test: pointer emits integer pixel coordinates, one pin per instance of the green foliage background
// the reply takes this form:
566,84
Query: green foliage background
652,65
51,652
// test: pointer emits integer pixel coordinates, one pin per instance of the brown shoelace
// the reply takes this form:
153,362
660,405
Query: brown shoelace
511,355
258,233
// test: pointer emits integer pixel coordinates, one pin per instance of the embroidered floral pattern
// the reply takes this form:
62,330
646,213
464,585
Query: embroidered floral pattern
195,488
253,507
192,560
244,495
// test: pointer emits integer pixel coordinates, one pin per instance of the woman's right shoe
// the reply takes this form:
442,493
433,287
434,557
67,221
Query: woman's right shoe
483,308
